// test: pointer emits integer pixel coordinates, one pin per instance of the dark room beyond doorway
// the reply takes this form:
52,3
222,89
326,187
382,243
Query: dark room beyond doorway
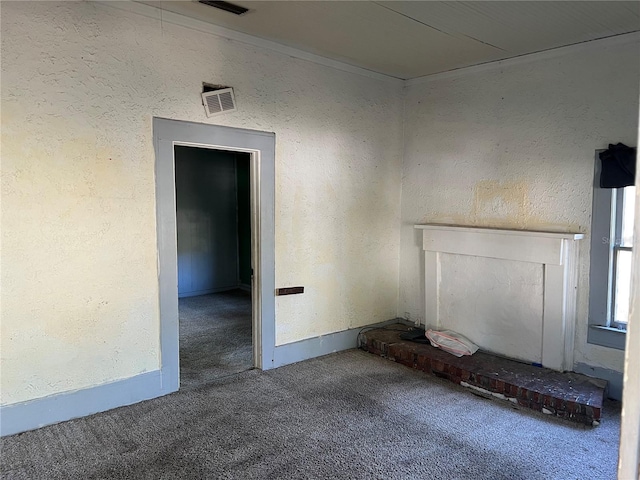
213,216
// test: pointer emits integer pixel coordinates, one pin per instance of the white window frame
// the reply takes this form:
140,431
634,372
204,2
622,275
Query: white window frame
616,247
606,225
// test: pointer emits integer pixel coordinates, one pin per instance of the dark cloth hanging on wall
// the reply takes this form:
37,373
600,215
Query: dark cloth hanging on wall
618,166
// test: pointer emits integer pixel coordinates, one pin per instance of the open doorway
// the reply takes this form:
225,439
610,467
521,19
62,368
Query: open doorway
260,147
213,223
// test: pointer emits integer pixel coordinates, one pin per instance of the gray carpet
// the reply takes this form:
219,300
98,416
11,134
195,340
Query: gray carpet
347,415
215,337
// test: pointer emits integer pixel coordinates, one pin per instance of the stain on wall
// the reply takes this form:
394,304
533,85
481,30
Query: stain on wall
498,204
505,202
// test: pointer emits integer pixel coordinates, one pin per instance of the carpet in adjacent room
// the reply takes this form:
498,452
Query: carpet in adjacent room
215,336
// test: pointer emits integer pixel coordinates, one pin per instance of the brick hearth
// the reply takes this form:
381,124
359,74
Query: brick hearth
568,395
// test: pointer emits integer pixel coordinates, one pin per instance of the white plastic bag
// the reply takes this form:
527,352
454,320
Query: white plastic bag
451,342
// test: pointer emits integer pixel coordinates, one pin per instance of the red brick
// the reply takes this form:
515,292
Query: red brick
524,403
535,406
567,395
421,360
406,358
596,413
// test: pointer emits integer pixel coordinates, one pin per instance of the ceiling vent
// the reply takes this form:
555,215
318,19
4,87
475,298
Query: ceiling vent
217,102
226,6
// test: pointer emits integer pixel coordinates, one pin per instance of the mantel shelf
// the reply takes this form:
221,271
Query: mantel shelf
499,231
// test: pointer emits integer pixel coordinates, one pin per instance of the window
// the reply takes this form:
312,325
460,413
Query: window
610,272
622,233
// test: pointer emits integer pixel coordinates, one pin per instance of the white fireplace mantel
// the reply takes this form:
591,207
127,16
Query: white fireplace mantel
556,252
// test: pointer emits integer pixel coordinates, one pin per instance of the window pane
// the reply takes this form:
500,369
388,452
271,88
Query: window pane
628,208
623,286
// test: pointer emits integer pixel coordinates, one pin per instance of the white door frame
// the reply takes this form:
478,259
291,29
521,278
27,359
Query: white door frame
629,456
261,146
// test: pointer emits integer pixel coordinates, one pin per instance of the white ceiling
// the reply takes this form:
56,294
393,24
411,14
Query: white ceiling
408,39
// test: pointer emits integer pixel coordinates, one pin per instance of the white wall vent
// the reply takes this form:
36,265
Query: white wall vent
217,102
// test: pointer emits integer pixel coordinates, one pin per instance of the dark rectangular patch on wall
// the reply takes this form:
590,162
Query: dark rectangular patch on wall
289,290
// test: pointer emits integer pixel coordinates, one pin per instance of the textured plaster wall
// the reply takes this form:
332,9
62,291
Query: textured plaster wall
80,85
513,147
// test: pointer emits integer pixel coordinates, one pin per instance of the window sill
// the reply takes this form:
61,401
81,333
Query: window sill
607,336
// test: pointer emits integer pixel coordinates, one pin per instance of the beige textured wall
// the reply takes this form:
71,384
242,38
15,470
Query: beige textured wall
513,146
80,85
